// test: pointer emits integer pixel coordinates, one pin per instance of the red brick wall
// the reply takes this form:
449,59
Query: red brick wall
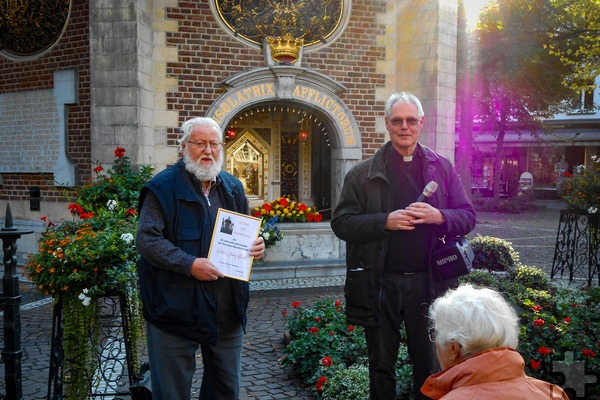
208,55
71,52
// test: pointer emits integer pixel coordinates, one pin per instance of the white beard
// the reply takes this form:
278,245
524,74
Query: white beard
203,173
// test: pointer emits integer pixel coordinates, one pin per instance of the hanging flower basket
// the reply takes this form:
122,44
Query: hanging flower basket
83,260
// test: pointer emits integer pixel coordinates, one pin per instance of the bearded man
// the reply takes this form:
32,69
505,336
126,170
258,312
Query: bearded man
187,301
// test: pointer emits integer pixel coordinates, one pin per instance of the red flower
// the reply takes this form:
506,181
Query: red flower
535,364
86,215
588,353
536,308
326,361
284,312
267,207
544,351
574,305
310,217
317,319
119,152
337,304
320,383
567,320
331,333
296,304
302,207
538,322
313,329
75,209
44,218
98,168
131,212
318,217
567,174
283,202
350,328
258,214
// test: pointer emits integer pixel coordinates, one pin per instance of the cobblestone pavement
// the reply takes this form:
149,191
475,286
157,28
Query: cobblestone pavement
533,235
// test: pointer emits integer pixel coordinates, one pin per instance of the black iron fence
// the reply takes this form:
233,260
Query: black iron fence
577,247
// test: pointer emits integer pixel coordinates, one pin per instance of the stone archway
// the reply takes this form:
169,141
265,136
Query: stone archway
283,85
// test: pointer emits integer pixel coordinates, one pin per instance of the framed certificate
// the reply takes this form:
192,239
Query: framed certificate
232,238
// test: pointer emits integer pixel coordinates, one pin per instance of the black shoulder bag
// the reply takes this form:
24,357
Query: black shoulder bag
452,257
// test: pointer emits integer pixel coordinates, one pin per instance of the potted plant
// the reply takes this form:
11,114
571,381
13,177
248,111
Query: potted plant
90,257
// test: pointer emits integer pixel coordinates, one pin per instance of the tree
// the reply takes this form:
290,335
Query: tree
518,82
575,40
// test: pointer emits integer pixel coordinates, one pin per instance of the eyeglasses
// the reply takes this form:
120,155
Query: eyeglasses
203,145
409,121
432,334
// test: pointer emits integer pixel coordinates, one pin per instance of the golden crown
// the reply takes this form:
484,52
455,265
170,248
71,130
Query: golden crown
285,48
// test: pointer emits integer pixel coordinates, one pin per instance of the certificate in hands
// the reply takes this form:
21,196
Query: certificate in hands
232,238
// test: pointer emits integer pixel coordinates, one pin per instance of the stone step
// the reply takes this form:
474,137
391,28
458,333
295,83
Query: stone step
297,269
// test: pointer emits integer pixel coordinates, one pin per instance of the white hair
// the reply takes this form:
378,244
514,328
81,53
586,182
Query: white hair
403,98
477,319
188,126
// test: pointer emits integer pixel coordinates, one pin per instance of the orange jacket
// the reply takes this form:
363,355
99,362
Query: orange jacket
495,374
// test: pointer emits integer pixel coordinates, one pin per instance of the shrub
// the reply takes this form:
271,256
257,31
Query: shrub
493,254
581,191
347,383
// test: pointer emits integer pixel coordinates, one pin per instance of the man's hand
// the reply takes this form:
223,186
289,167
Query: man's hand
425,213
204,270
400,220
257,250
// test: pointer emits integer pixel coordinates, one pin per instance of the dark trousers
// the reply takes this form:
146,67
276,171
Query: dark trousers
405,300
173,364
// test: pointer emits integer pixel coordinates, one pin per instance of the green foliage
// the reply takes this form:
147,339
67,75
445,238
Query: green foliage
574,40
581,191
94,255
331,356
493,254
321,331
347,383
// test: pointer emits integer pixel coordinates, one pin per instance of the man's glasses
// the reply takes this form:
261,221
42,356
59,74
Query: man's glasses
203,145
432,335
409,121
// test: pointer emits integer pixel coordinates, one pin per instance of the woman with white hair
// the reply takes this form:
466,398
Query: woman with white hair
476,333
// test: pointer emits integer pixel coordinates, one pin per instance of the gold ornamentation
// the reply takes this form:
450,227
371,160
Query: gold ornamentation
29,27
286,48
311,20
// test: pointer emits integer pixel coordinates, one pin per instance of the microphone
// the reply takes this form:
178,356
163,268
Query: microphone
428,191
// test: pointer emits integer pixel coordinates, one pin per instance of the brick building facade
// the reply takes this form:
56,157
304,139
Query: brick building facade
128,73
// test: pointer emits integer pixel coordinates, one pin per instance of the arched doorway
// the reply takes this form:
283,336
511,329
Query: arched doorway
281,150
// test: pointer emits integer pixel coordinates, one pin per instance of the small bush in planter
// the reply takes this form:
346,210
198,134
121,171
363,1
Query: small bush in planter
493,254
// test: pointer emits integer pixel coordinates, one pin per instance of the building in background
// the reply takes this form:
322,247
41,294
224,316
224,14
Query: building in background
298,87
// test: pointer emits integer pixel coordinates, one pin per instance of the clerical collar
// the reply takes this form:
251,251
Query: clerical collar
407,158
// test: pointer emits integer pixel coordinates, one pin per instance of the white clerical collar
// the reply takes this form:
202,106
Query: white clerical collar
407,158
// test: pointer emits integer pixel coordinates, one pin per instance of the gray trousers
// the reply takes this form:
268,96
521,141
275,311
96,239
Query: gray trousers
173,364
